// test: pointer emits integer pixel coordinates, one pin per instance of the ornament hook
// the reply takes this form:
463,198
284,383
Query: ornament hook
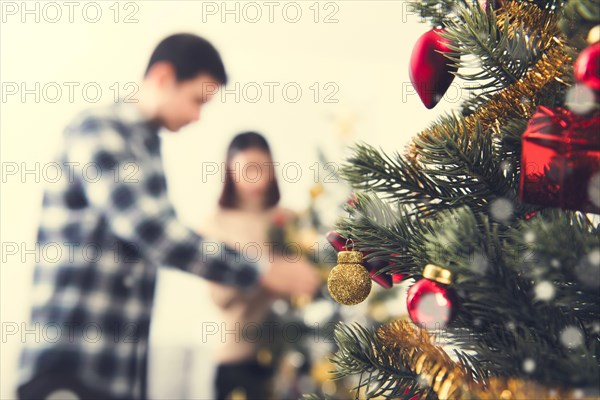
349,240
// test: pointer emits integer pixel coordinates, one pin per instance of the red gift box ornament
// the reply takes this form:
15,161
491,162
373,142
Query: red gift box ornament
560,160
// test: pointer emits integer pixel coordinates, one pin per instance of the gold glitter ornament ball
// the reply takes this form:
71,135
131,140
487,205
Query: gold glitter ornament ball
349,282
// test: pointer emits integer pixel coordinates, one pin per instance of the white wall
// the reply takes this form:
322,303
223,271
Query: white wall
364,54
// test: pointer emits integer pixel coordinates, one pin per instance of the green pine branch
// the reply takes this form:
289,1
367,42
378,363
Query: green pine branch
465,161
489,58
578,17
497,271
391,176
500,318
436,12
456,168
380,373
574,270
440,12
385,232
548,5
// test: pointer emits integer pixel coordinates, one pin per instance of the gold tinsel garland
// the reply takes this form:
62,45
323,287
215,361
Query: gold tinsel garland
518,100
449,380
415,348
521,15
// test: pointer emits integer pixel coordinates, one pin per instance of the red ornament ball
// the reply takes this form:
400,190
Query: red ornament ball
587,67
431,304
430,71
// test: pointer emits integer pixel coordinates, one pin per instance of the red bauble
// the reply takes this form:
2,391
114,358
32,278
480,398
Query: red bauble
397,277
587,67
339,244
336,241
430,303
560,160
430,72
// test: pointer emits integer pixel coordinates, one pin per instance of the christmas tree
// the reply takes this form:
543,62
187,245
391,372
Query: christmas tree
488,214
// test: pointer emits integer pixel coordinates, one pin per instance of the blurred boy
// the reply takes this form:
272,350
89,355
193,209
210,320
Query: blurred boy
113,226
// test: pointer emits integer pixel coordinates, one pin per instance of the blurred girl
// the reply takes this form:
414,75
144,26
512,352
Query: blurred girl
247,209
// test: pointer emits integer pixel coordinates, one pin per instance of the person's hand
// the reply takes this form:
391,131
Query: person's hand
286,278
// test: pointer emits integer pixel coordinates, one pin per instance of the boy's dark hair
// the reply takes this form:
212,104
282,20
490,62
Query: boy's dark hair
190,55
245,141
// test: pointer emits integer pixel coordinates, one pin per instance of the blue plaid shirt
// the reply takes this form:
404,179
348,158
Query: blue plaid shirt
106,226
